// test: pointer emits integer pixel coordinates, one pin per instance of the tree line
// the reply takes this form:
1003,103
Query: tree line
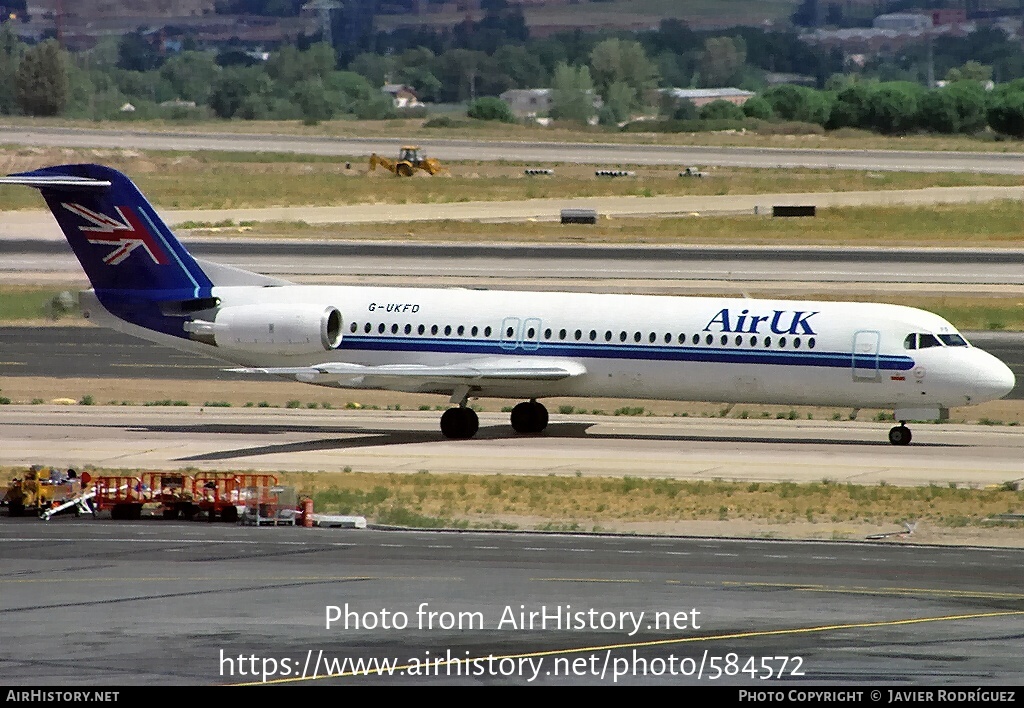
312,81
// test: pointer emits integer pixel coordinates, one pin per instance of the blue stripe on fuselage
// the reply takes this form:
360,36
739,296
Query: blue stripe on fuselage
651,352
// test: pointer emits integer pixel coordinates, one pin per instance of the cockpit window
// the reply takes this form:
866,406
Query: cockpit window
924,341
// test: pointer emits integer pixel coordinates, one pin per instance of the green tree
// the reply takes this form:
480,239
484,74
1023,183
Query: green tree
852,107
791,102
955,108
190,75
491,108
314,100
721,110
722,60
620,99
41,82
572,93
895,107
616,61
239,87
1006,112
757,107
970,71
11,50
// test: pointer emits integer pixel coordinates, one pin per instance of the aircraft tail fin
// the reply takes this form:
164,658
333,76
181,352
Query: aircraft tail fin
121,242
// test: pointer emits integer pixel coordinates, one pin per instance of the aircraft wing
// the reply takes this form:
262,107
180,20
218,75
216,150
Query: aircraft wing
422,377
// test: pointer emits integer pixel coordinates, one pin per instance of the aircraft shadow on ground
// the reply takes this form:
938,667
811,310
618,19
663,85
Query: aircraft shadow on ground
363,437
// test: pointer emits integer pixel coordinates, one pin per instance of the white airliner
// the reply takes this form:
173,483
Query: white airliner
525,345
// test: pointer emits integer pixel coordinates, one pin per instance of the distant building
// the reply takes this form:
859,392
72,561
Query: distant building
903,22
702,97
403,96
530,103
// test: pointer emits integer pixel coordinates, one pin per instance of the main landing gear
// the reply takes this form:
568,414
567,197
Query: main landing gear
529,417
459,423
900,435
462,423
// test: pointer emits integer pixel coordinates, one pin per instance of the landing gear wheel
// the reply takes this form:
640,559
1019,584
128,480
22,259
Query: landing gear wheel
529,417
900,435
459,423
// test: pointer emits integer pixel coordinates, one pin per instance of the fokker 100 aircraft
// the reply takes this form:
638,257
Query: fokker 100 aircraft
525,345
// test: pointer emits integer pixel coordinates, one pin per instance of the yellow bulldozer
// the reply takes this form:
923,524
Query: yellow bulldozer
410,159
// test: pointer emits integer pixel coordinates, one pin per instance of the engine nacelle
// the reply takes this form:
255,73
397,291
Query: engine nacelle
272,329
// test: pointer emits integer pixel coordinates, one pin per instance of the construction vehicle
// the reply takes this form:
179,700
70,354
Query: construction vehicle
40,489
410,159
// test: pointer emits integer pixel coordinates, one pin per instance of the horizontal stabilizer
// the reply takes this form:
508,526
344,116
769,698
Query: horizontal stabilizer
56,182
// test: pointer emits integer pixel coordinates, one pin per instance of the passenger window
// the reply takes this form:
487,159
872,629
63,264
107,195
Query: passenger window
420,329
433,329
753,341
561,334
529,333
739,339
487,331
593,335
408,329
652,337
796,342
367,327
474,331
696,339
608,335
910,342
447,330
810,343
353,328
509,332
394,329
724,340
622,336
767,341
782,341
709,339
547,334
460,330
380,328
636,336
668,337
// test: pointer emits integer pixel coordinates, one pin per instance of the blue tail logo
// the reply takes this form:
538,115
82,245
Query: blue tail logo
125,234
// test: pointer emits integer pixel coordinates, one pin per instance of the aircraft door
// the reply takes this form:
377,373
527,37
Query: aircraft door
865,356
511,330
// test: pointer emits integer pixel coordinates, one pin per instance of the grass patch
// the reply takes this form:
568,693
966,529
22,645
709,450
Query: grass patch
572,503
27,303
213,180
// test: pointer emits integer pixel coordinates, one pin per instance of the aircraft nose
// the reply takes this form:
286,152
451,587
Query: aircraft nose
994,379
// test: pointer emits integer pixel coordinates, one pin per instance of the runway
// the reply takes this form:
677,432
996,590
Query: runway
593,267
521,151
173,603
